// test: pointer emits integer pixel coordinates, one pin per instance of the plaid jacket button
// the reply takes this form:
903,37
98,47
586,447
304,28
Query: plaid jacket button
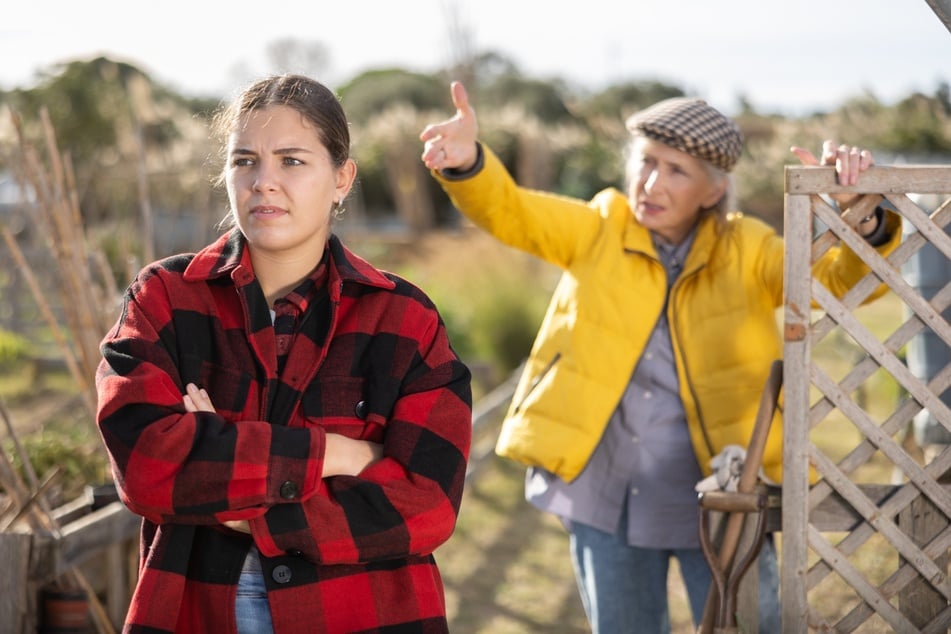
360,409
289,490
281,574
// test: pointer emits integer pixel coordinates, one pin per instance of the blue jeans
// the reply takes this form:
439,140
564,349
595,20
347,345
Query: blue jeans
624,588
251,610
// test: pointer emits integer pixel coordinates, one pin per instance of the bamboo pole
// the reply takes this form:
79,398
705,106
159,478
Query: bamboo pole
72,363
73,260
48,481
86,312
145,201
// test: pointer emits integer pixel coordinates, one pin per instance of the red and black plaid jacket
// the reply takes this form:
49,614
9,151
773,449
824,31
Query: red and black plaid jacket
342,554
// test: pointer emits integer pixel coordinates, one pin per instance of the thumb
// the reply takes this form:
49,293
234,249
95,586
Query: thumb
460,98
805,156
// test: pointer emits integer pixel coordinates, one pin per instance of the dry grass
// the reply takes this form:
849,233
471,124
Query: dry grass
507,569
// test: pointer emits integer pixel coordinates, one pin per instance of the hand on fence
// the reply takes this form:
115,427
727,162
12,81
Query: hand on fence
849,162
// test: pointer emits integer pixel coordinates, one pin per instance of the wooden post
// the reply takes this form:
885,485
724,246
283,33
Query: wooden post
796,351
922,521
15,603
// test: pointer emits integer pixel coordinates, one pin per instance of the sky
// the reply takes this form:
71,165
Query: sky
782,57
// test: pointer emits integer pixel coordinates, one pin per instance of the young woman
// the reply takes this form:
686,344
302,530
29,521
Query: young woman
291,423
655,348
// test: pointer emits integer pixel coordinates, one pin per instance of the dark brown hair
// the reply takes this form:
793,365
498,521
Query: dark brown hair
314,101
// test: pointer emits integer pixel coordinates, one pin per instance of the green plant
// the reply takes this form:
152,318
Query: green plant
13,349
69,446
491,297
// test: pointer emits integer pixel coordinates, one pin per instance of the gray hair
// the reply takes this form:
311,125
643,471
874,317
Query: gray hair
720,209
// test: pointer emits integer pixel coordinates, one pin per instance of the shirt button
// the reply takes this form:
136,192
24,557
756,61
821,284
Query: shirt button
289,490
648,394
360,409
281,574
635,439
648,355
634,491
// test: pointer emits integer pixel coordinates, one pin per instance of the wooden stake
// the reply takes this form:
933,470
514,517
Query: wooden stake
71,362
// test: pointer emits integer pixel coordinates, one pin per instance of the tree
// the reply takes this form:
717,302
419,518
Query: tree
110,117
619,101
374,91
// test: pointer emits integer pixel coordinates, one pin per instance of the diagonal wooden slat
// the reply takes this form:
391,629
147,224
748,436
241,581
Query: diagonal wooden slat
925,224
851,216
867,367
869,593
862,371
877,351
896,581
891,507
883,524
909,246
915,473
898,501
892,277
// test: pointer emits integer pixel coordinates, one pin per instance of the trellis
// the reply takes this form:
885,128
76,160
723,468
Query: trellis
906,524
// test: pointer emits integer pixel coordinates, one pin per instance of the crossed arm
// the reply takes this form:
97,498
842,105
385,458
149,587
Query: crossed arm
344,456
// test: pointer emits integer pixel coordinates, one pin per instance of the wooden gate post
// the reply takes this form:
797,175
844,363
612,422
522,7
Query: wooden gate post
15,602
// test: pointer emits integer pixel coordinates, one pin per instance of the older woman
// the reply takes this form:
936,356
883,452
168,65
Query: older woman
655,348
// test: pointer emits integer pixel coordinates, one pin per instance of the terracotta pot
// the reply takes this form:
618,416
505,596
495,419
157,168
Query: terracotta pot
65,611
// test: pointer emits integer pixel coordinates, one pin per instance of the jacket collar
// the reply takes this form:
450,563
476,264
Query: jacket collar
229,254
637,239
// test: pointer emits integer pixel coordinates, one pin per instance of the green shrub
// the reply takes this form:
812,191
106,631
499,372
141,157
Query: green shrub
70,446
491,297
13,349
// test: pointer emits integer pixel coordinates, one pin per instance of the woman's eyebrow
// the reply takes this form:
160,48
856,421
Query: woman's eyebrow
281,151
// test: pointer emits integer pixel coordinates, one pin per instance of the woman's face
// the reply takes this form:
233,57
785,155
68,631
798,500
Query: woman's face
669,188
282,184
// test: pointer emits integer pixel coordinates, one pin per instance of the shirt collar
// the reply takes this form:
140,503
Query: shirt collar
673,256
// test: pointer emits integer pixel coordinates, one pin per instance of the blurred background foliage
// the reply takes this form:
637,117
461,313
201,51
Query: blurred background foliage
132,141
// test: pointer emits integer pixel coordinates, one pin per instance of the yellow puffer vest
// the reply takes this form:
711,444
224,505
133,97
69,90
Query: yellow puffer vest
722,314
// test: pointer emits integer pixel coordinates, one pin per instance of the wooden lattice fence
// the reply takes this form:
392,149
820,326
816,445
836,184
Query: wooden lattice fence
888,542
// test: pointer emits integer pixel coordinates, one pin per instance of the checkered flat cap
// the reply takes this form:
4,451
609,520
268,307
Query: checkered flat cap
692,126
